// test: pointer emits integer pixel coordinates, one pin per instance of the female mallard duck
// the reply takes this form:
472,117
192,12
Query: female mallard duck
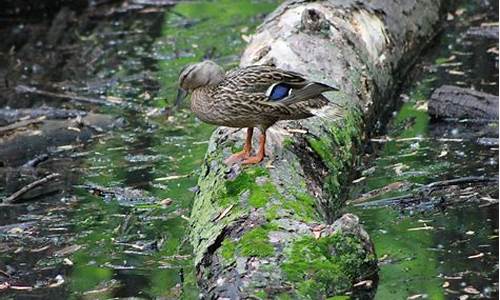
254,96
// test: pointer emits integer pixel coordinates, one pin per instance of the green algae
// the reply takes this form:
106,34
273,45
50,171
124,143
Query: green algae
188,34
325,266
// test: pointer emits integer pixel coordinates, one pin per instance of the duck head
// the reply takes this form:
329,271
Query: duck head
205,73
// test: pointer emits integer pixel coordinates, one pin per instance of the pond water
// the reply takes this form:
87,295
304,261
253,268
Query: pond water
105,240
118,243
437,247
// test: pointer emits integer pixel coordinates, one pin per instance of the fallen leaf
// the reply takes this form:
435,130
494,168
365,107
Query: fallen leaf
67,250
173,177
114,99
476,256
471,290
455,72
4,285
15,230
317,231
417,296
296,130
493,50
443,153
40,249
67,262
421,228
74,129
59,280
367,283
459,11
21,288
166,202
359,179
224,213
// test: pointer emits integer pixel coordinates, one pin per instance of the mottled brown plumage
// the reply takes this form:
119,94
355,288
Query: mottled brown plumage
254,96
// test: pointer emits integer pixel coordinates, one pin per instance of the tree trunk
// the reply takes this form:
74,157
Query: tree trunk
262,231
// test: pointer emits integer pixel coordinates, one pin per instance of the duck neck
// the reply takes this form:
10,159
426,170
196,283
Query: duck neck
201,101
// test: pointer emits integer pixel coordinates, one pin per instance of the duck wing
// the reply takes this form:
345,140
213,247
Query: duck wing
275,86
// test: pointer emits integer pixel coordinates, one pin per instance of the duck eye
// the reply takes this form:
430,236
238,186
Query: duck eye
279,91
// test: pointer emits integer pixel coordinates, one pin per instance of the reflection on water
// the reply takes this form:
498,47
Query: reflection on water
141,249
439,247
122,232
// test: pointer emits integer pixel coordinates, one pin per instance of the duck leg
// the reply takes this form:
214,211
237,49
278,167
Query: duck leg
260,153
245,153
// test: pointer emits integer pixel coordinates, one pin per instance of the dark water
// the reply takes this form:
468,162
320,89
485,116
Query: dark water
438,247
105,240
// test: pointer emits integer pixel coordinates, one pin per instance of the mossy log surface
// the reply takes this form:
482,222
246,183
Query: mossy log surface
274,230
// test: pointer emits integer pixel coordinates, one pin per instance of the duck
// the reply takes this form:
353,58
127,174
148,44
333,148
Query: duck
255,96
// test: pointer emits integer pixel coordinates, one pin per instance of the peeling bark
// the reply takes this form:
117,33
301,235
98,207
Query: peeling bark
264,232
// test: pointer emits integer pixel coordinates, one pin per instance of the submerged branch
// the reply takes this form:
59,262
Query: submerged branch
15,196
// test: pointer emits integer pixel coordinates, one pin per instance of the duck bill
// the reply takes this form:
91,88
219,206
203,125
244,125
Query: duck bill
181,95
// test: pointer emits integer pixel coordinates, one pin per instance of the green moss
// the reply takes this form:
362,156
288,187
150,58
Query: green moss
284,296
227,250
337,151
246,181
260,294
326,266
238,185
272,213
303,206
287,142
261,194
256,242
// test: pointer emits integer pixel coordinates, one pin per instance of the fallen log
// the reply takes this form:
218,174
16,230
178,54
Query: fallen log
455,102
45,136
14,196
8,115
488,32
262,232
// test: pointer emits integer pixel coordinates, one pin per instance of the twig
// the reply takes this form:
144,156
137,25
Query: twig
13,197
462,180
35,161
389,139
33,90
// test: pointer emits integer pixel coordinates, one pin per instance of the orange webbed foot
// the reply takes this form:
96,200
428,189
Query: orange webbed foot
236,157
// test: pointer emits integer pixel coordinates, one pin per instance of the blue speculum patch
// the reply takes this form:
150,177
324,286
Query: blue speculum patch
279,92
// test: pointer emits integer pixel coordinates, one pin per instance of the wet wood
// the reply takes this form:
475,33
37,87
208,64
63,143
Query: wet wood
8,115
434,193
20,146
455,102
20,124
489,32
